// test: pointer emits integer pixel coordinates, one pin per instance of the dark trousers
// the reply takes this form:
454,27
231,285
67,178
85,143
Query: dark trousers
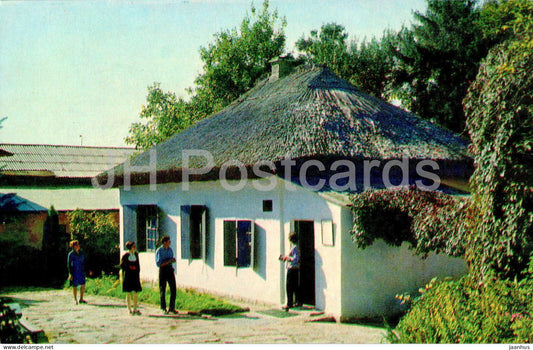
293,288
166,274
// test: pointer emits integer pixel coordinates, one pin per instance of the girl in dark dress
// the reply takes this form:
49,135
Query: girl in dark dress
131,283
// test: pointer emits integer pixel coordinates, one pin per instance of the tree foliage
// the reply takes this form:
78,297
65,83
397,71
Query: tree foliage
427,221
436,60
238,57
499,107
328,46
372,64
165,115
98,234
501,20
232,64
366,65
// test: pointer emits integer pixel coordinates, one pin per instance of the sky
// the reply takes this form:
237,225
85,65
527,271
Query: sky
77,72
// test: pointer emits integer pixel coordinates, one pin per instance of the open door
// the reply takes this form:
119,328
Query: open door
306,243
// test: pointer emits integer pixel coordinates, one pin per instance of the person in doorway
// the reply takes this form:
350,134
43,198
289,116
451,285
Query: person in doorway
292,263
164,258
76,268
131,283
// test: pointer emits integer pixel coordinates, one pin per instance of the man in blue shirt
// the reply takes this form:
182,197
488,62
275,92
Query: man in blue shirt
164,258
292,262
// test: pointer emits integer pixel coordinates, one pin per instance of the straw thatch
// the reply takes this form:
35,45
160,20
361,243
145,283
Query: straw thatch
309,114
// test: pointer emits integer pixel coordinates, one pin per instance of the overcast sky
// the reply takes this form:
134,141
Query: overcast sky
71,68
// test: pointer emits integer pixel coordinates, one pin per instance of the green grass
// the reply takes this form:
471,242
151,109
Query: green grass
186,300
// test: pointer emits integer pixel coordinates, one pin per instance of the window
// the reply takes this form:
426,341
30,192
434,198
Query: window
239,243
147,228
267,205
194,232
152,234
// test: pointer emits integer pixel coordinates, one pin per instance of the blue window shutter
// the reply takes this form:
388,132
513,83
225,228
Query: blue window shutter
129,213
205,233
185,232
254,246
244,243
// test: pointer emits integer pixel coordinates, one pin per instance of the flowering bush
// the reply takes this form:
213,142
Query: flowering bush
465,311
429,221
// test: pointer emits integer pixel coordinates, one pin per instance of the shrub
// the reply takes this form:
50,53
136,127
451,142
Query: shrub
464,311
428,221
499,107
98,234
11,332
20,264
54,249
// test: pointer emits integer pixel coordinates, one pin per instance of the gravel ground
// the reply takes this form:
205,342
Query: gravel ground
106,320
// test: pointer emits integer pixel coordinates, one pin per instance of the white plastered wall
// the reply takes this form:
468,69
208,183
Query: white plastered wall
65,198
264,283
302,204
349,282
261,283
373,276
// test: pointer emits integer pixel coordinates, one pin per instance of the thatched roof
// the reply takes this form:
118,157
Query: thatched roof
309,114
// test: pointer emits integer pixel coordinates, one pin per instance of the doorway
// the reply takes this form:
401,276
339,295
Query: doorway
306,242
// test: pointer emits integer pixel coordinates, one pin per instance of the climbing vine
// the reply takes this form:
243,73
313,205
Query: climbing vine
499,108
428,221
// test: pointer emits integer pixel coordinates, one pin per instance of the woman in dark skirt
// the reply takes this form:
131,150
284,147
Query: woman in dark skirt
131,283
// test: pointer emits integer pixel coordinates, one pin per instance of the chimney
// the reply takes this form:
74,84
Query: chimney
281,66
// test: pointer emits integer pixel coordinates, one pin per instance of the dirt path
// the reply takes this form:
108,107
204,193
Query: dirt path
105,320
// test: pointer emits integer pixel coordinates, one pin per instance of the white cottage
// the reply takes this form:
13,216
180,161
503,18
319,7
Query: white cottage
285,157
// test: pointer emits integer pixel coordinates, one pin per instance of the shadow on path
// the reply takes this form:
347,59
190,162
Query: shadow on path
24,303
119,306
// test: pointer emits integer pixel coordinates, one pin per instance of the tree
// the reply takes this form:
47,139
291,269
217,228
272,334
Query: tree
366,65
328,47
499,107
238,57
436,60
372,64
499,19
54,248
232,65
165,114
98,234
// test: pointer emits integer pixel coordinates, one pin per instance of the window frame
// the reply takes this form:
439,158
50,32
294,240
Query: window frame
231,249
187,229
147,226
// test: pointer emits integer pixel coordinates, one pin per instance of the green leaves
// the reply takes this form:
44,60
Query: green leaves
165,114
232,64
238,57
428,221
98,234
435,61
327,47
499,107
467,312
366,65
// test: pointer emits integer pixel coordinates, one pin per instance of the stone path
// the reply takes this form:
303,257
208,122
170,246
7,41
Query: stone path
105,320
